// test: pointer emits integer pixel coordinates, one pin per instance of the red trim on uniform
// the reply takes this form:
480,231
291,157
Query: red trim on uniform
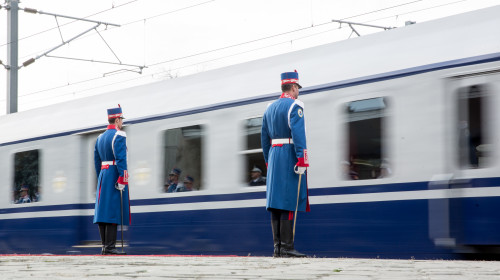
301,162
121,180
286,95
115,116
111,126
125,176
277,145
290,216
289,81
99,198
105,166
306,157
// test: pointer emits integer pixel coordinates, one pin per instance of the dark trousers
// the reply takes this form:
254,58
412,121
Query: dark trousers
282,226
108,232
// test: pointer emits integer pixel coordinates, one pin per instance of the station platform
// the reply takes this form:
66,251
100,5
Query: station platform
231,267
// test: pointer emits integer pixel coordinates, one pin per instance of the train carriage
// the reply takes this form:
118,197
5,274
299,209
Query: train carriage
401,130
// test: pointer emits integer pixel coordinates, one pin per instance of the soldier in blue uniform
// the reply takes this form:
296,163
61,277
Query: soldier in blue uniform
283,140
24,196
173,180
110,157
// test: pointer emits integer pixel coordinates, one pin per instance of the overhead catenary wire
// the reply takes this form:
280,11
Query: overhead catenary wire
222,48
50,29
420,10
127,23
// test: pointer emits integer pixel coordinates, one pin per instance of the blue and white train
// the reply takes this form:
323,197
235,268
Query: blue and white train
402,137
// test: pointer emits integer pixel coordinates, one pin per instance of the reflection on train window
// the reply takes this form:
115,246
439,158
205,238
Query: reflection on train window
26,177
183,159
365,126
473,147
255,165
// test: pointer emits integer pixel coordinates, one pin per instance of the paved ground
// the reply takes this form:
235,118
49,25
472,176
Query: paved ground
163,267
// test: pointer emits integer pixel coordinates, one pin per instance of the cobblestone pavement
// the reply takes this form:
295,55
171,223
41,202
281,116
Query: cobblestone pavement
200,267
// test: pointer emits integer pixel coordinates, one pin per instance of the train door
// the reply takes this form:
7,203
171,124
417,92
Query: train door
467,217
89,237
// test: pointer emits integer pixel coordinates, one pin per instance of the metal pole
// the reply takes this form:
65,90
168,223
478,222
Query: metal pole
31,60
121,211
362,24
35,11
12,55
296,207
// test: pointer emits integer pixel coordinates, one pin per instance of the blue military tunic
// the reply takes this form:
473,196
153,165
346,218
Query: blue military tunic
284,119
110,157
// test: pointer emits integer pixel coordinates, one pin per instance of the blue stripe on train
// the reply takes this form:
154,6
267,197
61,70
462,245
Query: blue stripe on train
397,187
391,229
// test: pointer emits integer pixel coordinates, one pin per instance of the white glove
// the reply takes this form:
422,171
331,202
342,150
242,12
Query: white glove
119,187
299,169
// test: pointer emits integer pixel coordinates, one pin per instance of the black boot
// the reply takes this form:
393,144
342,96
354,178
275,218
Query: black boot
102,233
110,244
286,234
275,225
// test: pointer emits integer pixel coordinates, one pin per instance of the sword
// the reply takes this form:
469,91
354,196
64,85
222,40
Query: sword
296,207
121,211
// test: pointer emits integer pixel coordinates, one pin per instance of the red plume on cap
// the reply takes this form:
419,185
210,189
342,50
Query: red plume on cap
121,106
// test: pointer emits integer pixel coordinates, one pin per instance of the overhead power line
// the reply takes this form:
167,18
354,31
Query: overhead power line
383,9
226,47
127,23
50,29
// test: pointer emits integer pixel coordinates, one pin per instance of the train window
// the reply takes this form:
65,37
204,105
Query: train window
473,148
255,165
183,159
26,177
365,125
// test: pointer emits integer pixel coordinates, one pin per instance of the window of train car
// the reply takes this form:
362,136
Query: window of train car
365,132
473,119
255,165
183,159
26,177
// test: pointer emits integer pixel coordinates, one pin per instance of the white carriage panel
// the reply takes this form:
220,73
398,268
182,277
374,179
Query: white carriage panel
222,150
60,171
6,180
145,160
324,142
419,128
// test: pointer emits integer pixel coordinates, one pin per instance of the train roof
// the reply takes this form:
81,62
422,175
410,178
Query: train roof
428,45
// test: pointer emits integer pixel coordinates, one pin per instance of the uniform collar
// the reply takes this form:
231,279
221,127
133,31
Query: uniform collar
112,126
286,95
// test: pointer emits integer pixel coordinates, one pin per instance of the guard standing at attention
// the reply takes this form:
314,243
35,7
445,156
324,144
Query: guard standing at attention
285,152
110,157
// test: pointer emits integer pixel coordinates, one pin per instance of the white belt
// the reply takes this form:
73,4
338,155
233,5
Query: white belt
282,141
108,163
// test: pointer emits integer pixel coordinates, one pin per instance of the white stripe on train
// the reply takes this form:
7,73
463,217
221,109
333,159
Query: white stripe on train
325,199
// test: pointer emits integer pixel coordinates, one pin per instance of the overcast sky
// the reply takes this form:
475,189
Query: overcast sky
178,38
